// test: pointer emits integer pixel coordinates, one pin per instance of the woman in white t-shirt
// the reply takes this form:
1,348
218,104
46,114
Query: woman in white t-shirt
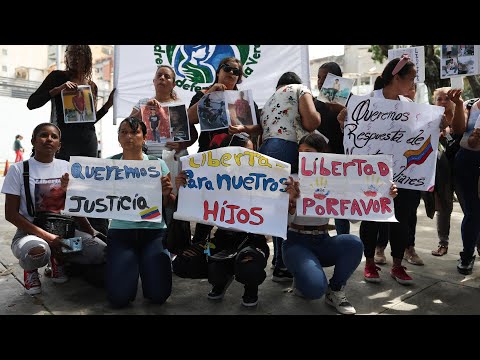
48,179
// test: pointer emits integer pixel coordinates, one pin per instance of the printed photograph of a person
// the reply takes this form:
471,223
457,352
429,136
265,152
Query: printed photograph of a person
449,67
156,118
241,109
466,65
179,126
449,51
78,104
211,112
335,89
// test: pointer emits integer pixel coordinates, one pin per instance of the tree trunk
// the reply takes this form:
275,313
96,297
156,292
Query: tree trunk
432,71
475,85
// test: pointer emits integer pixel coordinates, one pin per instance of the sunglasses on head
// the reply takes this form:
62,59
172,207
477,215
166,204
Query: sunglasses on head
228,68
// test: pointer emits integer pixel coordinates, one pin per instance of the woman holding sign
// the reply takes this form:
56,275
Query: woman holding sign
77,139
228,75
34,245
397,79
231,253
136,248
165,95
164,83
308,247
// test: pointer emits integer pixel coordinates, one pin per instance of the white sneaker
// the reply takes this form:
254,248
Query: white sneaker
339,301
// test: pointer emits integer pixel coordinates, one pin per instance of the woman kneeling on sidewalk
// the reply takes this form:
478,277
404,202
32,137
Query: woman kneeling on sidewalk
309,248
47,179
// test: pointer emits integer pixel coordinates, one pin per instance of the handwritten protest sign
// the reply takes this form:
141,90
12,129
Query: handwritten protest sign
406,130
114,189
417,56
235,188
354,187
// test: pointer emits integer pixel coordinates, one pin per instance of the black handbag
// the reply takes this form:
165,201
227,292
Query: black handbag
179,234
57,224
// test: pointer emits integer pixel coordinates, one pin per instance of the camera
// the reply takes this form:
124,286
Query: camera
75,243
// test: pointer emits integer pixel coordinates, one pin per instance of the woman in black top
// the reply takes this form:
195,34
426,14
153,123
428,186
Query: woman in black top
77,139
229,74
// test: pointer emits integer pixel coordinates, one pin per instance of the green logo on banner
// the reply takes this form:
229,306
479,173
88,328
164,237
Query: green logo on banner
195,65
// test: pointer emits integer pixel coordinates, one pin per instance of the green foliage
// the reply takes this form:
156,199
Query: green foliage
379,52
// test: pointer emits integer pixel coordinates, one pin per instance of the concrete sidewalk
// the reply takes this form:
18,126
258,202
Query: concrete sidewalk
438,288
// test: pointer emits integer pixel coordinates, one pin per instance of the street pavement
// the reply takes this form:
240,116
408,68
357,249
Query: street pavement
438,288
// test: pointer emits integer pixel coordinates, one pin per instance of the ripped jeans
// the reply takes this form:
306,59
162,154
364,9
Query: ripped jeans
93,251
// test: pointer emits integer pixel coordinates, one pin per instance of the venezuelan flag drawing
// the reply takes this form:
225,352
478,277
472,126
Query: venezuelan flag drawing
151,213
420,155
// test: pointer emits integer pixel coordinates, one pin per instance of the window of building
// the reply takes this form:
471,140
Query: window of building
4,52
4,68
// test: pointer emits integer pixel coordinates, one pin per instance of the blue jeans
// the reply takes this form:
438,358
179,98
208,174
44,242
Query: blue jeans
467,172
287,151
342,226
306,255
134,252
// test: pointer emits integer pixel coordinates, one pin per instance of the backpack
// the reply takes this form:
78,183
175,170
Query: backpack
469,103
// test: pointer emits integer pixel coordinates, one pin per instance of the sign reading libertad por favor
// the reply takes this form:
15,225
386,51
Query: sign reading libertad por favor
352,187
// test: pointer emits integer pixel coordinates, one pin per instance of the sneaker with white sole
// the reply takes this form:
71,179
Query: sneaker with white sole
59,275
339,301
465,264
380,257
250,296
412,257
32,283
400,275
370,273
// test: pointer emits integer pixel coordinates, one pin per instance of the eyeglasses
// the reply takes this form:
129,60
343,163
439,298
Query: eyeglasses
227,68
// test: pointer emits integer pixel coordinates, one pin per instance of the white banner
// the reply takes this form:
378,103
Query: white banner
114,189
355,187
235,188
406,130
195,66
